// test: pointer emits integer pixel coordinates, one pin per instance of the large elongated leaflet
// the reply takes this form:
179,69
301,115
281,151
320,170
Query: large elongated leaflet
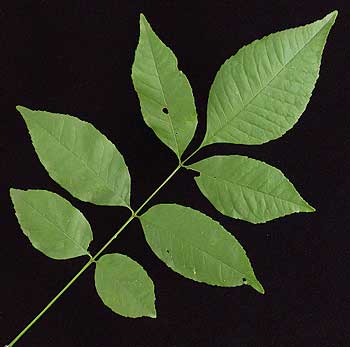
52,224
165,95
197,247
124,286
247,189
79,158
260,93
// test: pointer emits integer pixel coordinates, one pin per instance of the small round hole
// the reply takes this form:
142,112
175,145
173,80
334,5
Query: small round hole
244,281
167,251
165,110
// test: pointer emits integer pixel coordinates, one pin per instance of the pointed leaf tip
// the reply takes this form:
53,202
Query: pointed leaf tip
20,108
330,17
13,192
257,286
143,21
24,112
333,14
311,209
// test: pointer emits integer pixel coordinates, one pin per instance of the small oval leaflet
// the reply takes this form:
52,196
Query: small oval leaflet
79,158
124,286
52,224
197,247
248,189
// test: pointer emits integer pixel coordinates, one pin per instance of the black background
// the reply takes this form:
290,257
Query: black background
75,57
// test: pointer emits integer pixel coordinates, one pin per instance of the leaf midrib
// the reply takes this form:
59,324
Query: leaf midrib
265,86
162,90
249,188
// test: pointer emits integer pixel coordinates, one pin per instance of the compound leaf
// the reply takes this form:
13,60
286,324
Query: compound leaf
124,286
247,189
52,224
79,158
165,95
197,247
260,93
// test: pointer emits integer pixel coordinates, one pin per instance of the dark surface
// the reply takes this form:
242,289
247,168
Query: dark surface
75,57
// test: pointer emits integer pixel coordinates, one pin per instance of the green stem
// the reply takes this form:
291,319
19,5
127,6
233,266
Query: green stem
158,189
192,154
93,258
50,304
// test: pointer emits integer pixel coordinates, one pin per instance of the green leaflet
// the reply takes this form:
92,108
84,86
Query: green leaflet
79,158
164,92
52,224
124,286
247,189
197,247
260,93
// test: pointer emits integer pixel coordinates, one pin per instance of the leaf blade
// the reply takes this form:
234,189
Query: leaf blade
161,85
124,286
51,223
79,158
260,93
248,189
204,253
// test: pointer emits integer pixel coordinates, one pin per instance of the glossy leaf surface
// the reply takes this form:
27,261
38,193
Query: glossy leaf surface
260,93
79,158
124,286
197,247
52,224
165,95
247,189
